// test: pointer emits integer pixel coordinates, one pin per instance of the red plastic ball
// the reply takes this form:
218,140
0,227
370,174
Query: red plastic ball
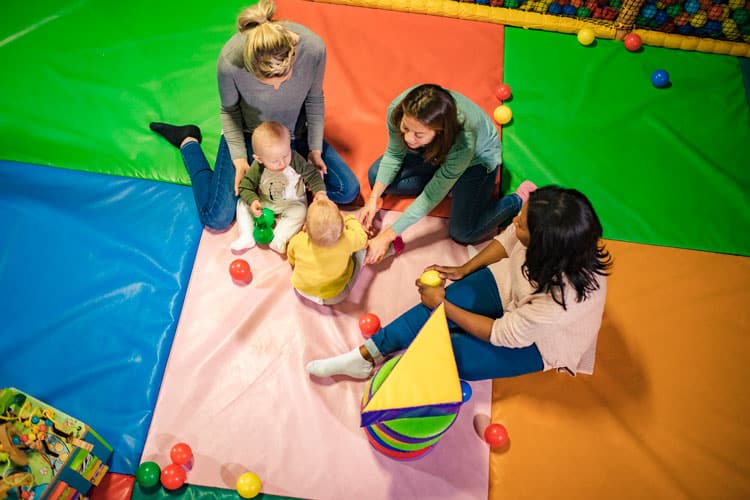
181,454
496,435
632,42
503,91
240,270
369,324
173,476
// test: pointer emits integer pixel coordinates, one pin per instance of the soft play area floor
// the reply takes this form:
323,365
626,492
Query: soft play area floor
118,308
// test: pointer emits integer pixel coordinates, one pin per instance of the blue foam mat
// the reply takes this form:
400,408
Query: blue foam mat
93,272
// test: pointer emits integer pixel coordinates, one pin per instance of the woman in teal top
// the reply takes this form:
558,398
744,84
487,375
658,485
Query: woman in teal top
440,141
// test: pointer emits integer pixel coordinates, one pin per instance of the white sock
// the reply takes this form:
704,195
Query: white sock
245,228
278,246
351,363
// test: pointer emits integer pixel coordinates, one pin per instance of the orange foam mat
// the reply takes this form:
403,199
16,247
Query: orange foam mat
665,414
236,390
392,51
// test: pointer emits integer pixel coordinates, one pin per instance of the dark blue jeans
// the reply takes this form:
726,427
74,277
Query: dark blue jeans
475,358
213,190
474,215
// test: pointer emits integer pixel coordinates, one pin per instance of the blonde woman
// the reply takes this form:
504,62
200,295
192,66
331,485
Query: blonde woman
270,70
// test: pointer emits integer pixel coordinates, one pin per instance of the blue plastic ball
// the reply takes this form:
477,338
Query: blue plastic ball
465,391
660,78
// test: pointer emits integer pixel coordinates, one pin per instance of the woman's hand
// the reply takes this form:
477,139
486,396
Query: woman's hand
431,296
367,213
453,273
241,166
316,158
378,246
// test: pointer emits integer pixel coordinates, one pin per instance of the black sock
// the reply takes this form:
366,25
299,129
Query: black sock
175,134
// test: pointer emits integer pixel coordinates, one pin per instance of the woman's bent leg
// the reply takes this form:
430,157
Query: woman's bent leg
342,185
410,179
213,190
475,216
476,292
480,360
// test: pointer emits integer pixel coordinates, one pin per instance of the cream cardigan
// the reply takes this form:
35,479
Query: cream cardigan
566,338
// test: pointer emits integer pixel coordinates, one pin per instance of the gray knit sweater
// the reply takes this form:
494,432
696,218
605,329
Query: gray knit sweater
246,102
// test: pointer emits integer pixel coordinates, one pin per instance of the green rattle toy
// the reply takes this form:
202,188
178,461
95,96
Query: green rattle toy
263,227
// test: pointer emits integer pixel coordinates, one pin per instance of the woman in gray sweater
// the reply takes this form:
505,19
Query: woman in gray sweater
270,70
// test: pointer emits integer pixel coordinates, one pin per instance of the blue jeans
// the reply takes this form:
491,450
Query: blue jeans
475,358
474,215
213,190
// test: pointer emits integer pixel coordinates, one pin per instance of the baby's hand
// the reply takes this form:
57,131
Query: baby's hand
256,209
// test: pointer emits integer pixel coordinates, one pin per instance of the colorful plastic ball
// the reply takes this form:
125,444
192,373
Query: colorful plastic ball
262,234
239,269
586,36
465,391
173,476
496,435
502,114
266,219
248,485
369,324
181,454
503,92
431,278
632,42
147,474
660,78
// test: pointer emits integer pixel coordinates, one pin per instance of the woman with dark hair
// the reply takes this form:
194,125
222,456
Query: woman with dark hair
440,141
531,300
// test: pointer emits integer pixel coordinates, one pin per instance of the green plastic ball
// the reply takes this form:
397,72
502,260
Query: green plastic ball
262,234
148,474
266,218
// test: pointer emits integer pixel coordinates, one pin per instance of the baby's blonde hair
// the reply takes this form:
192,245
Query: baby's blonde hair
270,132
269,46
324,222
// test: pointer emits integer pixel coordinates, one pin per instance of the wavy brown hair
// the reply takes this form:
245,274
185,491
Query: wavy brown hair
434,107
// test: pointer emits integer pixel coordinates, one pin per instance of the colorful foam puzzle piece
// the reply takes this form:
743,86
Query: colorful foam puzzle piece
425,380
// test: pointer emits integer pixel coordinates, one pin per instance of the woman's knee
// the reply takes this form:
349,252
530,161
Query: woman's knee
372,172
462,234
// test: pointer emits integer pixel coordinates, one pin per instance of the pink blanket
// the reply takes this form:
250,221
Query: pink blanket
236,390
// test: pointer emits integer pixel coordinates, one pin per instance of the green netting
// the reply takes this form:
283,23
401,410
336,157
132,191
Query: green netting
662,166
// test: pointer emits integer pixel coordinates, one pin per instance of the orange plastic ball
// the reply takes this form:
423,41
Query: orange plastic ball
496,435
369,324
239,269
173,476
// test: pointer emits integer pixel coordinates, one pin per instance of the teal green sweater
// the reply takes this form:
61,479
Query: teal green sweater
477,144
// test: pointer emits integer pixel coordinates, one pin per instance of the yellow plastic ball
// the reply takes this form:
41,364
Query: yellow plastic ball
248,485
586,36
431,278
502,114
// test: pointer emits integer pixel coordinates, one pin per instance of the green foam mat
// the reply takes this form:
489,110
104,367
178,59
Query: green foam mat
86,78
662,166
194,492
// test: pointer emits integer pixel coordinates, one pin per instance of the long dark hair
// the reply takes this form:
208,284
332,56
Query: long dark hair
435,107
564,242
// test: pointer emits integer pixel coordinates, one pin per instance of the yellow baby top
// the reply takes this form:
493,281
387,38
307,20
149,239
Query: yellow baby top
324,272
